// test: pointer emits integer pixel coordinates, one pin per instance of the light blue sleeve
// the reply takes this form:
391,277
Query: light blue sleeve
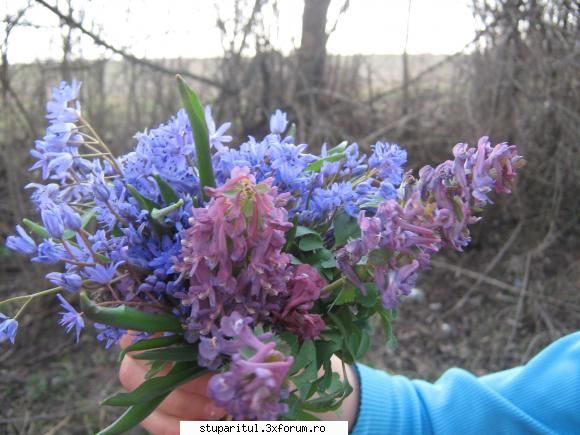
542,397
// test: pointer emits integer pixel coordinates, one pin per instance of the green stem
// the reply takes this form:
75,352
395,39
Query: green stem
26,298
333,286
22,308
102,144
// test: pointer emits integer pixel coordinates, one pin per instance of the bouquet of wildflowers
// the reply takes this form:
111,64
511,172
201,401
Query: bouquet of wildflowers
258,263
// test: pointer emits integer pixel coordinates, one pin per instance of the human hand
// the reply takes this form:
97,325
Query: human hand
188,402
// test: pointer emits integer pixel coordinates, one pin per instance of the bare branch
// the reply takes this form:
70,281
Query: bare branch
128,56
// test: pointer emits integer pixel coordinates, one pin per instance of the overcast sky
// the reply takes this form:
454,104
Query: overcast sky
186,28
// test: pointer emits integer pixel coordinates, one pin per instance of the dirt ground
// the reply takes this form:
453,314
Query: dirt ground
492,307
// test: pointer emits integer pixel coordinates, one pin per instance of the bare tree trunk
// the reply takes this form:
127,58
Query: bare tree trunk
312,53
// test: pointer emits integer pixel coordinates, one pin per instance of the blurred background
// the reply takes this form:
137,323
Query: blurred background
419,73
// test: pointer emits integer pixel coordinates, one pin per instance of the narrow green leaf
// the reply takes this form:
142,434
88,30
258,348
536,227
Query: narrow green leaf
340,148
129,318
364,344
155,387
151,343
36,228
133,416
316,166
175,353
196,116
167,193
155,367
159,214
306,356
145,203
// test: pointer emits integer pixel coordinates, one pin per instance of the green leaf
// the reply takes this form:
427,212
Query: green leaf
316,166
370,299
129,318
167,193
363,345
159,214
154,368
378,257
144,203
155,387
340,148
185,352
36,228
310,242
302,415
346,295
196,116
325,350
133,416
345,228
305,357
151,343
302,231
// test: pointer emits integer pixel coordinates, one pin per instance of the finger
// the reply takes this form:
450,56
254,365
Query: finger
159,423
189,401
187,406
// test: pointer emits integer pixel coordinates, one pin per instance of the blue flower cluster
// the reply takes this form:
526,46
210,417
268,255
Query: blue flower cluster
143,200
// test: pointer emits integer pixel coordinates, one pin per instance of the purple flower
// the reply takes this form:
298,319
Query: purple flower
22,243
71,282
232,253
254,387
303,290
52,222
278,122
433,212
70,318
8,328
401,282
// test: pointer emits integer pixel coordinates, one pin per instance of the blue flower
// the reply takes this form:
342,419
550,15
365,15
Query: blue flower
49,253
278,122
22,243
52,222
58,107
71,218
101,274
8,328
109,334
70,318
387,190
389,159
71,282
216,137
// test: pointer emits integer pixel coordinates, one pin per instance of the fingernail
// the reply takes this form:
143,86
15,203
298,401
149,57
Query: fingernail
212,412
